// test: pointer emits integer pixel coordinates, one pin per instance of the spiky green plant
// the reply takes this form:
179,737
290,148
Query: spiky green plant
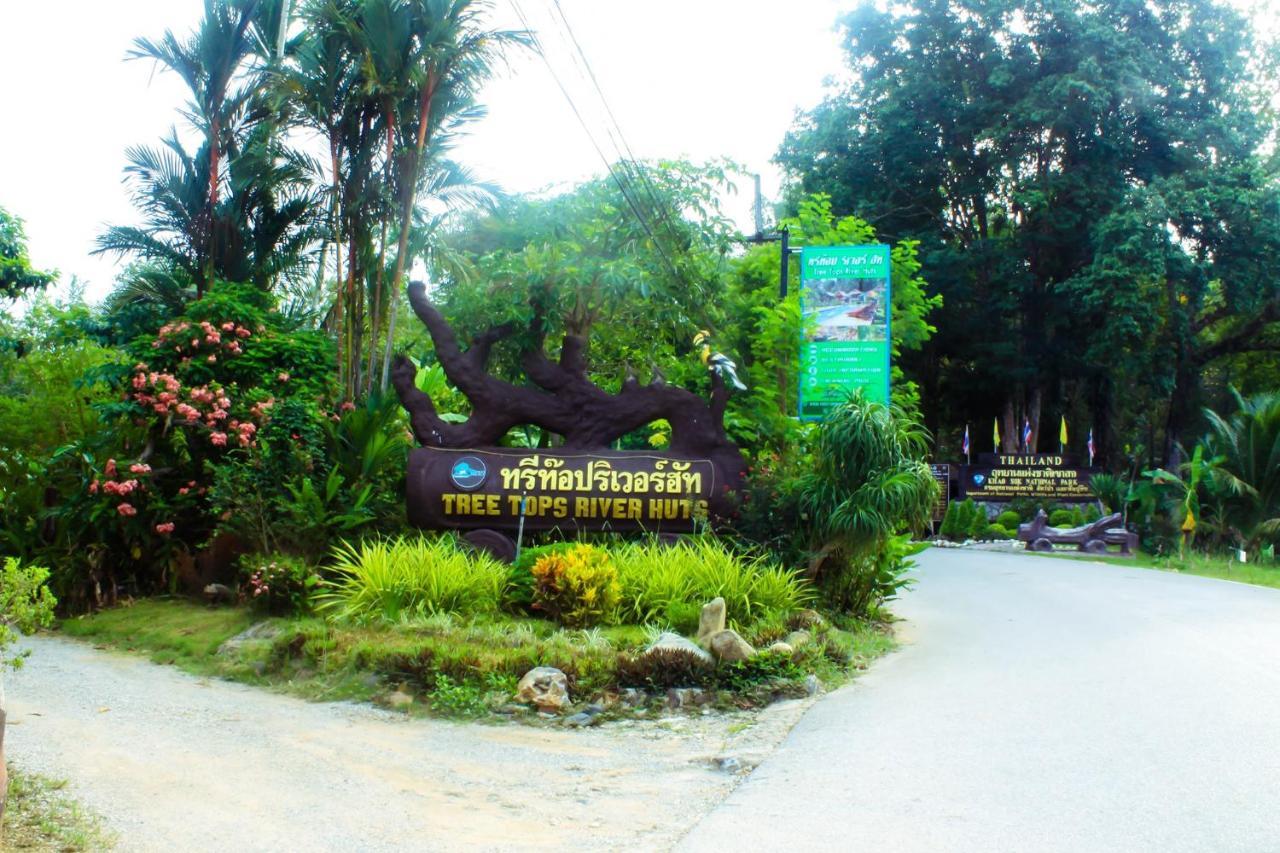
870,483
654,576
392,580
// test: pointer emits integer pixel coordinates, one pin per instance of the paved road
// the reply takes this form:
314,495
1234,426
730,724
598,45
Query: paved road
1039,705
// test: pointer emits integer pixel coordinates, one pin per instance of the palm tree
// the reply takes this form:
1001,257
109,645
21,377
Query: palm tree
454,55
259,231
208,61
1248,444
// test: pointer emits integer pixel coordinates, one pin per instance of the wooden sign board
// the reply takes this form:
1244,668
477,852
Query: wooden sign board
491,488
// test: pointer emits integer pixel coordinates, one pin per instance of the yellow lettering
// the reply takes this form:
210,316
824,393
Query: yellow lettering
560,508
448,503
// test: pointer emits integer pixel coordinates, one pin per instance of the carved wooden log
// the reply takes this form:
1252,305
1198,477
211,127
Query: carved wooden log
562,399
1093,537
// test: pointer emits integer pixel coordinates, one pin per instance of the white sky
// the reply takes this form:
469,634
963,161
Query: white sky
695,78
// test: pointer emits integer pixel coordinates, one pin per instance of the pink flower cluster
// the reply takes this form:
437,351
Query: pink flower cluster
112,484
202,405
227,337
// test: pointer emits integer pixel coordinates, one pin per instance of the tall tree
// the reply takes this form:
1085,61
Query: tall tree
1054,158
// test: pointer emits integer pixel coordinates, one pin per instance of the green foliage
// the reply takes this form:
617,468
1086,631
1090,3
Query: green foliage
576,586
1109,489
997,531
278,583
1062,518
762,669
1100,222
390,580
26,604
964,520
668,583
17,275
1244,482
1009,520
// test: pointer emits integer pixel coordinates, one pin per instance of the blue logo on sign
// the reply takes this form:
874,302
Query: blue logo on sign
468,473
979,479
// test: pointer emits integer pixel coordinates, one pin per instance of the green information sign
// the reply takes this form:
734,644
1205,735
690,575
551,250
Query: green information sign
844,299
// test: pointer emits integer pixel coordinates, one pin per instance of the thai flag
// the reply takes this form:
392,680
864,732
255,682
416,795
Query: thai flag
1092,448
966,439
1026,435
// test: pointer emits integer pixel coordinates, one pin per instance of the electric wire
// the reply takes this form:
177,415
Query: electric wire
620,143
613,172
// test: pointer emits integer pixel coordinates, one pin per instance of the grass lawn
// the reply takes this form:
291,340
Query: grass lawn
39,816
450,666
1204,565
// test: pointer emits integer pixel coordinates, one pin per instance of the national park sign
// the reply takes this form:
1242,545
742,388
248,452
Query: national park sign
1043,476
461,479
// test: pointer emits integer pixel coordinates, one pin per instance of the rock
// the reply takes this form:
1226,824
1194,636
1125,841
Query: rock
546,687
730,647
216,593
796,639
686,697
588,716
257,634
808,619
632,697
399,699
812,686
728,764
711,621
676,643
511,709
781,648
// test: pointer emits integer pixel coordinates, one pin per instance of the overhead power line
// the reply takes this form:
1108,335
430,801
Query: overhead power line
620,144
613,172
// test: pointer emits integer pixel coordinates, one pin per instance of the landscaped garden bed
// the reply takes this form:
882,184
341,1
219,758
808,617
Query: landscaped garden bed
423,625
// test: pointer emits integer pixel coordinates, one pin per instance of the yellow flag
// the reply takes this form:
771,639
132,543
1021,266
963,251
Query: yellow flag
995,434
1062,432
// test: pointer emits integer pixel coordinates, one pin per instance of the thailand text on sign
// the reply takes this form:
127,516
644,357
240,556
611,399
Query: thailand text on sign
614,490
1042,476
844,300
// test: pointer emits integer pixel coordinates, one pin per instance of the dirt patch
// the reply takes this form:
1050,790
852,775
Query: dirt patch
176,762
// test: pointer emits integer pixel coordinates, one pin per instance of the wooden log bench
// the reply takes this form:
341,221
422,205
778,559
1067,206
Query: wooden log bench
1092,538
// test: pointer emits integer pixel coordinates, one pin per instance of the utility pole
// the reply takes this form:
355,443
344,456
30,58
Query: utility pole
782,235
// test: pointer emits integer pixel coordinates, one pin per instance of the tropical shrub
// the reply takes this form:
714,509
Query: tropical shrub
25,605
662,669
669,583
391,580
1111,490
1246,475
997,532
1009,520
1062,518
279,583
576,586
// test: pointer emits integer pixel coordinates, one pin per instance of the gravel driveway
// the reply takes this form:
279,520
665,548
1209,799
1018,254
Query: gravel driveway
174,762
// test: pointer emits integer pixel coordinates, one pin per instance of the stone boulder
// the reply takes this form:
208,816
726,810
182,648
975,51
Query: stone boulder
796,639
545,687
729,646
669,642
781,648
711,622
